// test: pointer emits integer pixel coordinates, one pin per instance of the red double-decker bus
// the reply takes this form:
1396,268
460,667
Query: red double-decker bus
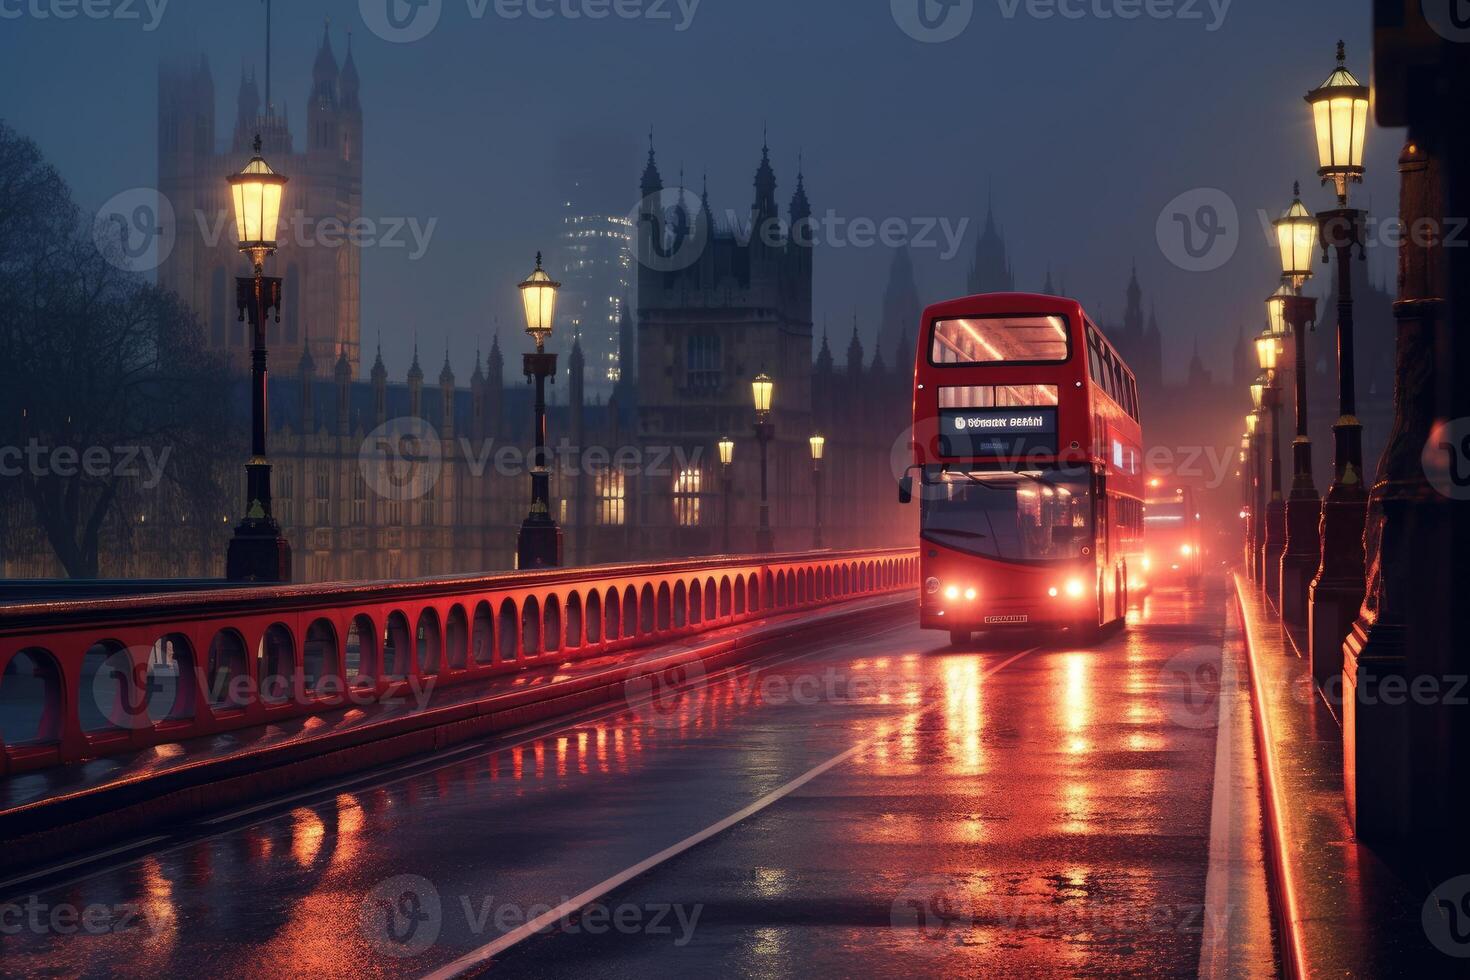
1028,458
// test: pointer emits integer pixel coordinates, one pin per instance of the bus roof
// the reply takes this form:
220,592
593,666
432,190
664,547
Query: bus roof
1001,303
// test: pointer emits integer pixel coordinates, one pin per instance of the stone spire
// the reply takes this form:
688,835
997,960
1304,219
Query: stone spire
991,270
854,352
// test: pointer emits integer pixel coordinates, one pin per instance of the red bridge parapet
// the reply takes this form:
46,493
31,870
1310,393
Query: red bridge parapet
83,679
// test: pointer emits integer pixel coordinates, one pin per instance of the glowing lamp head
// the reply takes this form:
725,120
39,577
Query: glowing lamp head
538,297
1258,393
1296,238
1340,117
761,391
727,451
1276,311
256,193
1268,350
819,447
1253,420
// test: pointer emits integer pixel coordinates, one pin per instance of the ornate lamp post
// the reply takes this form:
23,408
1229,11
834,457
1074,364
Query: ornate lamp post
1267,397
540,539
1294,314
819,450
1340,117
1258,495
258,552
727,458
762,390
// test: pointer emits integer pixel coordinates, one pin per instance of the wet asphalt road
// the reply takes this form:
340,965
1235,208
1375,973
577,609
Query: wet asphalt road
1005,809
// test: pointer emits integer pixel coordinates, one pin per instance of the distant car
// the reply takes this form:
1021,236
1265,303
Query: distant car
1173,545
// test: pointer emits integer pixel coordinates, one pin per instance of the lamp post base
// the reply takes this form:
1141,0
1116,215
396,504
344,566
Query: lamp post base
1336,595
1375,732
1272,550
258,553
538,545
1303,553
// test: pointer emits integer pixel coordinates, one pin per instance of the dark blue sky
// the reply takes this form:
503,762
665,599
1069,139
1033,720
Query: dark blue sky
1084,128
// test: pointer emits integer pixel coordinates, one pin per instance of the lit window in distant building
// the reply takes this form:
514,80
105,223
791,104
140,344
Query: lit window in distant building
323,497
611,495
359,499
686,497
702,363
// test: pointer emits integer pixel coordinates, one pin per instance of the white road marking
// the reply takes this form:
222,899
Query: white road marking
486,952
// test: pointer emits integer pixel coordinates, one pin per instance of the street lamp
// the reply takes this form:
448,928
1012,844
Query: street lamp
819,450
1258,484
1340,118
1265,395
762,391
540,540
1295,314
258,552
727,458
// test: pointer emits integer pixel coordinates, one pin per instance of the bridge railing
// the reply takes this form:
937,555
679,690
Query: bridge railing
82,679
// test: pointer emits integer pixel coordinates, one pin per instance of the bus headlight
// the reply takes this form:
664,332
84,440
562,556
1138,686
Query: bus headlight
931,585
1186,550
1075,588
952,593
970,595
1146,562
1052,592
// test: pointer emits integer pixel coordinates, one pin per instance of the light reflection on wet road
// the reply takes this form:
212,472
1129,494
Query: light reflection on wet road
1051,818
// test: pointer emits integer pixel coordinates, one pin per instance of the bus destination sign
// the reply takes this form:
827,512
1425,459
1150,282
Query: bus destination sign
1010,432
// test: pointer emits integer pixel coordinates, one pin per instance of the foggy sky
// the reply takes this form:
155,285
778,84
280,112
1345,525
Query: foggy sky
1082,130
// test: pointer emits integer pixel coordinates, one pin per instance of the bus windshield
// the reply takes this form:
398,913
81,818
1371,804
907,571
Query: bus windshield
1032,339
1042,515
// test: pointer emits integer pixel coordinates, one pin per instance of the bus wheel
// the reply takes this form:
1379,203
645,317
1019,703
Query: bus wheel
960,638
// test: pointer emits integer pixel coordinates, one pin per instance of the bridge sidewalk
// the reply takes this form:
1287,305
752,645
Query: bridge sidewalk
109,800
1342,909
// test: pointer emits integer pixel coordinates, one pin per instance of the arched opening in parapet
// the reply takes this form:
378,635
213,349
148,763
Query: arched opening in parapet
711,600
428,642
108,699
594,618
360,660
531,627
228,676
631,617
456,638
509,632
319,670
574,619
551,632
754,597
173,687
681,604
780,588
664,607
611,615
768,596
727,597
802,590
483,635
738,595
397,648
30,698
275,664
645,610
696,603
